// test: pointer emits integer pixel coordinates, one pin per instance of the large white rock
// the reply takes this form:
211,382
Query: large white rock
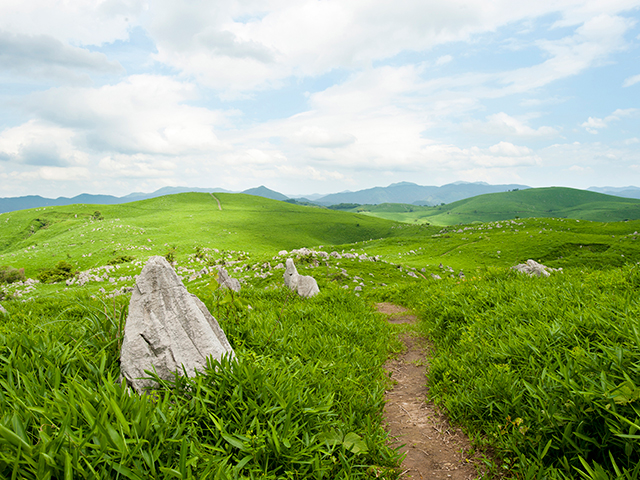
305,285
168,329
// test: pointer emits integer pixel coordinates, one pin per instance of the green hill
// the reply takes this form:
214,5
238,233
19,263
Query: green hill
36,238
553,202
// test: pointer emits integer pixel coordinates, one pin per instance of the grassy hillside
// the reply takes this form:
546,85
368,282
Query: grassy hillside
557,202
37,238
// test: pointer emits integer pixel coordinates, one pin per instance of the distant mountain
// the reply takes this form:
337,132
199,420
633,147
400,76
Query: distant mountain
627,192
263,191
406,192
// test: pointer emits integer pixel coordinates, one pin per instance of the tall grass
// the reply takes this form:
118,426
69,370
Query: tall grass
546,369
303,400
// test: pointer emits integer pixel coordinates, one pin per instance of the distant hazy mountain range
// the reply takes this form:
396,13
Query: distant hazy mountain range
627,192
403,192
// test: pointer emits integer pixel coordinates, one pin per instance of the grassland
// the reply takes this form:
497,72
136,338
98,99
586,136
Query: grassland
543,371
554,202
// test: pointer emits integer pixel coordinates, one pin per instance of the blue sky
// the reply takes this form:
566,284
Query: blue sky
316,96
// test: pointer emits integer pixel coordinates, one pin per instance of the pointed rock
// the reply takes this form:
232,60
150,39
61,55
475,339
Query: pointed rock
305,285
168,329
228,282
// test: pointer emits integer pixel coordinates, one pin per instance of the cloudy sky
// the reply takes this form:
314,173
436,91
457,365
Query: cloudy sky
316,96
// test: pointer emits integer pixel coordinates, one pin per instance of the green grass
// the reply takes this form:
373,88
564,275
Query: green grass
555,202
303,400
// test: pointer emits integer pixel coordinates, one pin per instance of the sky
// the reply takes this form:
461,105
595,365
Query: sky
316,96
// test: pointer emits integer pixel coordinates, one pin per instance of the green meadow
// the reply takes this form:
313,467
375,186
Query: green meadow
542,373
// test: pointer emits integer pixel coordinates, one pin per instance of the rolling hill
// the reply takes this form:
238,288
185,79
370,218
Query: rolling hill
552,202
183,222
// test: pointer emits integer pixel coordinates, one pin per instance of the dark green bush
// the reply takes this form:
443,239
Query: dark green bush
61,272
121,259
11,275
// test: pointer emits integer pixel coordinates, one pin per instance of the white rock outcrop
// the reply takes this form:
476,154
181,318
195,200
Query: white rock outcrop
533,268
168,329
305,285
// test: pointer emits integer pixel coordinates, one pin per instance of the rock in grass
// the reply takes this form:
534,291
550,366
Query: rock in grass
168,329
228,282
533,268
305,285
3,310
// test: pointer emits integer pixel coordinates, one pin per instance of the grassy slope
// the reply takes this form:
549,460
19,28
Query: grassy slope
246,223
556,202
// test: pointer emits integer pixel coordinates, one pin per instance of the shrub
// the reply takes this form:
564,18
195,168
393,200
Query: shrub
121,259
61,272
11,275
171,254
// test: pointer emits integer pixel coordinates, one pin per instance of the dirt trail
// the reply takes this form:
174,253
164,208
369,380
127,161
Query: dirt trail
216,199
434,450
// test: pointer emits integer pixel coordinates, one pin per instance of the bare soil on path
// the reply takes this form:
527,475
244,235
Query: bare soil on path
434,450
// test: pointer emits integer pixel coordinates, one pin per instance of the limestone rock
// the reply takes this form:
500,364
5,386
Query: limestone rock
305,285
533,268
228,282
3,310
168,329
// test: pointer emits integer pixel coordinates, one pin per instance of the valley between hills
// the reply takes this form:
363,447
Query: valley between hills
541,373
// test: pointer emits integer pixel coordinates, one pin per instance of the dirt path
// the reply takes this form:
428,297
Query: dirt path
216,199
434,450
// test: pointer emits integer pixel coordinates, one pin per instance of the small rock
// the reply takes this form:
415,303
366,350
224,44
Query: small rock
3,310
226,281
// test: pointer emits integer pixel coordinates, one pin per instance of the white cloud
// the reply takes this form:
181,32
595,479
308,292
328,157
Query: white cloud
503,124
444,59
631,81
308,38
80,22
144,114
135,166
510,150
40,143
594,124
46,58
312,136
